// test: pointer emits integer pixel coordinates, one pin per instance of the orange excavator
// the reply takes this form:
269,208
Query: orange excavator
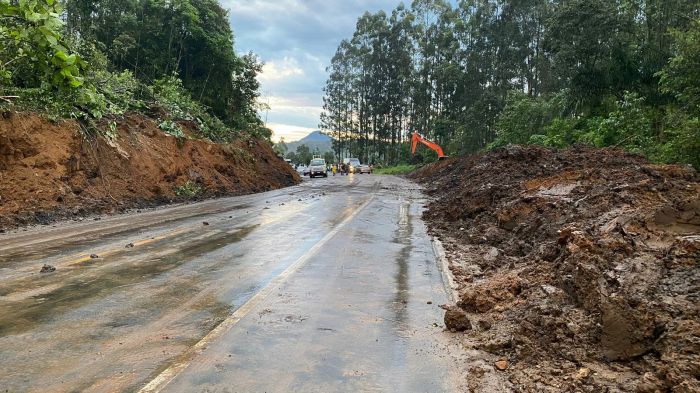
434,146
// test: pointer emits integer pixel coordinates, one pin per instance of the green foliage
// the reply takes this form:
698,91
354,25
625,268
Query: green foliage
189,38
329,157
395,170
34,52
629,125
525,117
281,148
169,93
293,157
484,73
303,154
172,128
189,189
114,57
681,76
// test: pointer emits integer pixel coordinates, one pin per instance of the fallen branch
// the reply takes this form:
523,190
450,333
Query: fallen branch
9,98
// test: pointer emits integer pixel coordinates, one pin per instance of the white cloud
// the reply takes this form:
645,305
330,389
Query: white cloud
296,39
300,105
288,132
278,70
296,109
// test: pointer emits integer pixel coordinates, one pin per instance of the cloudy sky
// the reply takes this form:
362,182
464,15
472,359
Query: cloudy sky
296,39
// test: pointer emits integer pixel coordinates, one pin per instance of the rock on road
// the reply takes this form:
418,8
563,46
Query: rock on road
328,286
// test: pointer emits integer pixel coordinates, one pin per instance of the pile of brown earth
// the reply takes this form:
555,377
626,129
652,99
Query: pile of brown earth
578,268
49,170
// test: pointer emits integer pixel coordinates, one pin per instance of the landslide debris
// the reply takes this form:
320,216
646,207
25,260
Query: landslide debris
581,263
48,170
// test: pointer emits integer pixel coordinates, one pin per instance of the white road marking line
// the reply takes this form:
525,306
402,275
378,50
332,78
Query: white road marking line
165,377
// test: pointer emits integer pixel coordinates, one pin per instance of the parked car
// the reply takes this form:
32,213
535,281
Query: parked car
364,168
317,167
303,169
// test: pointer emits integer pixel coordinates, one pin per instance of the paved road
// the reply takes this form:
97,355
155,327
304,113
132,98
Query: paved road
320,287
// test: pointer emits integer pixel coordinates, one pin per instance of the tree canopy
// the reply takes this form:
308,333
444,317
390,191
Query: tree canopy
490,72
55,45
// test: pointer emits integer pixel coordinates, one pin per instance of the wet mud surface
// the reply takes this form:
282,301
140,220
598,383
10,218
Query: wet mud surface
578,268
132,294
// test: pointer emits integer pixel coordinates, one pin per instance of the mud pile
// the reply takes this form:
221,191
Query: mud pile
49,171
578,267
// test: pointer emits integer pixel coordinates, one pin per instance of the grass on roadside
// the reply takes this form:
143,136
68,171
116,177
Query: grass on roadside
395,170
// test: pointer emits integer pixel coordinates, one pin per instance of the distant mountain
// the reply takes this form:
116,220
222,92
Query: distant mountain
314,140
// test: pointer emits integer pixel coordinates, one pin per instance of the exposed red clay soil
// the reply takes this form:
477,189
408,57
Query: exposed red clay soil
49,171
578,268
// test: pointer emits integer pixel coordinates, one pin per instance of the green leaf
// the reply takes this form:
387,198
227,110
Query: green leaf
52,40
76,82
61,55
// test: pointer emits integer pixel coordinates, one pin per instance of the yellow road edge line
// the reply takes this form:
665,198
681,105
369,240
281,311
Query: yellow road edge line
166,376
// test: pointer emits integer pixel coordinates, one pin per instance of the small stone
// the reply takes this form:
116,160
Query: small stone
130,245
94,256
649,384
205,223
429,302
549,289
47,269
456,319
484,324
230,216
501,365
583,373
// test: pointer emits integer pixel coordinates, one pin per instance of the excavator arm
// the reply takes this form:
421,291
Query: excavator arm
434,146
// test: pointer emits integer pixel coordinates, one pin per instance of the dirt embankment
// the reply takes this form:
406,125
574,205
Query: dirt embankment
49,171
579,268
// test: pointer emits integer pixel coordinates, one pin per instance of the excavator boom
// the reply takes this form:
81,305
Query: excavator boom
434,146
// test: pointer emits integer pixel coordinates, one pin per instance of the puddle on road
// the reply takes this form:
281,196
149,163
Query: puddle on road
21,316
402,236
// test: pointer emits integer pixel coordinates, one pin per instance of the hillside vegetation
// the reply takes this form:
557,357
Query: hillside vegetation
488,73
95,59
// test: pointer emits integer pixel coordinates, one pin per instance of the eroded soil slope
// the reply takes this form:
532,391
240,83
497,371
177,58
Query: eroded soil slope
578,268
48,170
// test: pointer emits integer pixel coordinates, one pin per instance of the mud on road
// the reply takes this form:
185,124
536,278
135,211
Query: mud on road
577,268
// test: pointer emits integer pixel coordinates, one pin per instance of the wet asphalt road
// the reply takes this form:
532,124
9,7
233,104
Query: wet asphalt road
321,287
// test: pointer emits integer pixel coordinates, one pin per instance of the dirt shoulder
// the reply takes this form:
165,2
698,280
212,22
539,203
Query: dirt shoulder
578,267
49,171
